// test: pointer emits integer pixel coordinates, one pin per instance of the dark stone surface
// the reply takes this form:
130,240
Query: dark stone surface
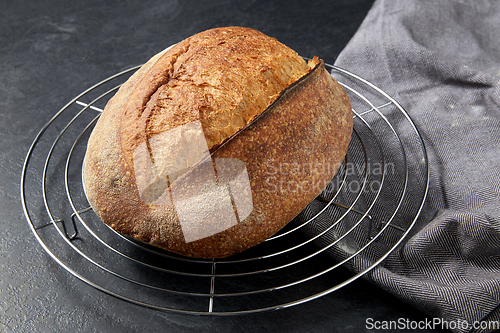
50,51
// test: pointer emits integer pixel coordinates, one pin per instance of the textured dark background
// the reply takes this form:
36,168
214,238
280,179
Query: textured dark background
52,50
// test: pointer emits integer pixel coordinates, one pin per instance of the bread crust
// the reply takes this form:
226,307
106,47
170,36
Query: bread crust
277,160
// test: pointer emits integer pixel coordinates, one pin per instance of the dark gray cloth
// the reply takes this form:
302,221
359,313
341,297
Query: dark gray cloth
441,61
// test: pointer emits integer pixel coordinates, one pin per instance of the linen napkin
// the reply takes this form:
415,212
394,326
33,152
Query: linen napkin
441,61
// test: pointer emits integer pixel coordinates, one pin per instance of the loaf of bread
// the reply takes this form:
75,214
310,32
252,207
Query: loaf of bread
216,143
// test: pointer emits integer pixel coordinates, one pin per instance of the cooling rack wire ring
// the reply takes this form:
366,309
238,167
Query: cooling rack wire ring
72,235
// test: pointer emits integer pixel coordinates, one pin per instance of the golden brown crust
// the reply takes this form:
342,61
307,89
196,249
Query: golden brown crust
223,77
289,152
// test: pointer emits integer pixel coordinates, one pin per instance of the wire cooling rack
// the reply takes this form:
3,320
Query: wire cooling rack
362,216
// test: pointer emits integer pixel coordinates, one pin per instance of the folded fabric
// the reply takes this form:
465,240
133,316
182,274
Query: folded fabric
441,61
